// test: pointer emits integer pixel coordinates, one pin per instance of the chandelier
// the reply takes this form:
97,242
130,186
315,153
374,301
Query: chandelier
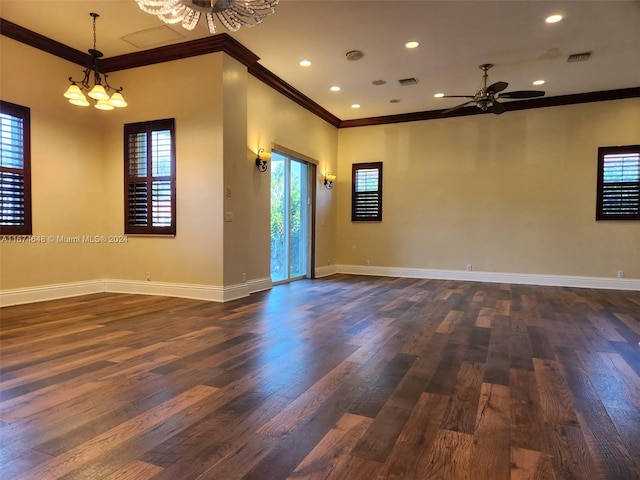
99,91
233,14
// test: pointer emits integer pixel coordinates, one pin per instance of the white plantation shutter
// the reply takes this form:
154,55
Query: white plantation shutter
150,194
15,171
618,183
366,195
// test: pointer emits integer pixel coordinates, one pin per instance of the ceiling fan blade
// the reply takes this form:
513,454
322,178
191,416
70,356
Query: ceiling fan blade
458,96
496,108
459,106
522,94
497,87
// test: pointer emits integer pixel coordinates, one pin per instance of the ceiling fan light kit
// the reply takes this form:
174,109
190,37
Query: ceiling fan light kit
233,14
486,99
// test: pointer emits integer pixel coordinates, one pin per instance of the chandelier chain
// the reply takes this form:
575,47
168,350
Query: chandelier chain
100,89
95,16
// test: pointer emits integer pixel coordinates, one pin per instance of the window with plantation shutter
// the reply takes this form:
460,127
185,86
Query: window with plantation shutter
618,183
150,187
366,193
15,170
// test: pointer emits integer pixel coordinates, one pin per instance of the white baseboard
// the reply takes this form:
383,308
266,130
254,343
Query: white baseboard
211,293
632,284
18,296
233,292
198,292
326,271
260,284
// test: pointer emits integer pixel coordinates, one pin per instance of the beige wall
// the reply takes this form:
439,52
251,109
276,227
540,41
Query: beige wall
189,91
510,193
77,168
67,171
238,172
272,118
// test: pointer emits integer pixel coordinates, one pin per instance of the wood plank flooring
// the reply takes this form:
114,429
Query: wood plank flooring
346,377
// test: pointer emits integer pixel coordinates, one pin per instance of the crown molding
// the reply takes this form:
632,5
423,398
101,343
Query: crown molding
275,82
33,39
223,42
193,48
509,106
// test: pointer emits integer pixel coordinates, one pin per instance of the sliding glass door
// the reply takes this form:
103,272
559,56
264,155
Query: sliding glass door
290,218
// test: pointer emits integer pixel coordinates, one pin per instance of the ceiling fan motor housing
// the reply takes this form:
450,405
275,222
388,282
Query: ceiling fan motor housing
484,103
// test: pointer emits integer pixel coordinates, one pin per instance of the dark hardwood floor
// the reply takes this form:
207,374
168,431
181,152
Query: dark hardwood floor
345,378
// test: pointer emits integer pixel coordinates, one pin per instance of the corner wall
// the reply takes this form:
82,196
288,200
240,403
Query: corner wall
66,168
513,193
272,118
77,179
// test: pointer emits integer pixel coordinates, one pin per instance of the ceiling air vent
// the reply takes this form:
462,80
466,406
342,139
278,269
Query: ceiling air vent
408,81
579,57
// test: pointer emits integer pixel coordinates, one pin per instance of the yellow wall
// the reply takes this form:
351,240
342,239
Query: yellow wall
189,91
237,171
272,118
77,163
67,171
511,193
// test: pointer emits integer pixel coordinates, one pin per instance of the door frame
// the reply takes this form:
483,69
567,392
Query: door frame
312,166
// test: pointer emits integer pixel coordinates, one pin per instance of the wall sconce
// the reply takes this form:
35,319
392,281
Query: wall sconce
260,163
329,178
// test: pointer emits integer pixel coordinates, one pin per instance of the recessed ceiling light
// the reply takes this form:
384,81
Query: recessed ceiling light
305,63
553,18
355,105
411,44
335,88
539,82
394,100
439,95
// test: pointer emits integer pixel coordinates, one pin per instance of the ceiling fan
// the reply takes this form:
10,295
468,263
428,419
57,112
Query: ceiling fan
486,98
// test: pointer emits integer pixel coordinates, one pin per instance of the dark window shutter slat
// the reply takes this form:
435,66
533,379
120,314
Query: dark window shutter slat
366,192
137,204
150,178
12,195
15,170
618,183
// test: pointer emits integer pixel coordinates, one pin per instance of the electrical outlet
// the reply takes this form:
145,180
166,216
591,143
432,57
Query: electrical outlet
244,278
620,273
148,276
469,267
367,262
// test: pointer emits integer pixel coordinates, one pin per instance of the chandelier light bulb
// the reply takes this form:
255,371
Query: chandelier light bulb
98,93
104,105
117,100
80,102
73,92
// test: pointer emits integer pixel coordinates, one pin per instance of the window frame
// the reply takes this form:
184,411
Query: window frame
148,128
600,196
24,113
355,168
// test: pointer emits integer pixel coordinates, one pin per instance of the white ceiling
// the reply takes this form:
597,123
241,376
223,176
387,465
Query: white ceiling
455,37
